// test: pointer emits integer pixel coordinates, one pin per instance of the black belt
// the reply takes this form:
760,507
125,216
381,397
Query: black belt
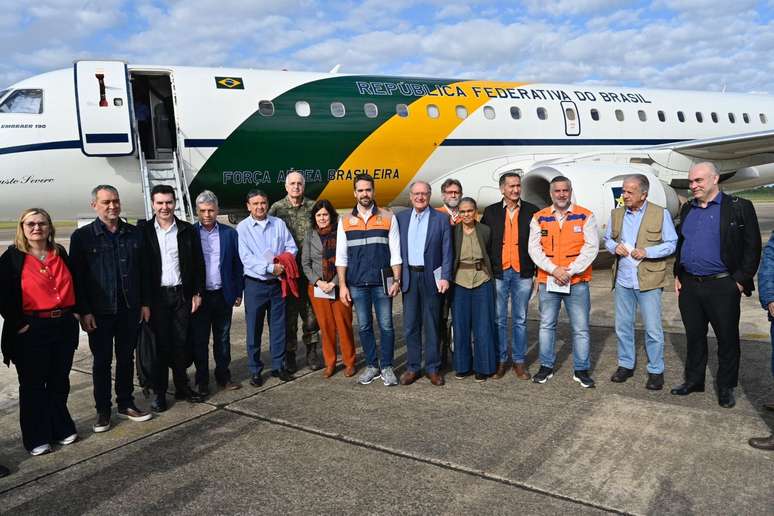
48,314
417,268
174,288
709,277
265,282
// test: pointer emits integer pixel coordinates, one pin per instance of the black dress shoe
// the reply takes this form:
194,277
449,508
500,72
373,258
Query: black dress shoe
686,388
622,374
190,395
204,390
726,397
655,382
283,374
159,404
256,380
290,362
763,443
4,472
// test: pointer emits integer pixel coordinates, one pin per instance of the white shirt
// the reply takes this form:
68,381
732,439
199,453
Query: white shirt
393,237
587,253
170,259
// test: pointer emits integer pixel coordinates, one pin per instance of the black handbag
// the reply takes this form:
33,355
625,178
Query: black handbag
146,356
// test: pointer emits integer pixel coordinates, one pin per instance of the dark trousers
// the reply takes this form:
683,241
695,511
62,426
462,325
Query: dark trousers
421,310
474,320
445,325
214,315
262,299
120,328
44,356
296,307
170,311
714,302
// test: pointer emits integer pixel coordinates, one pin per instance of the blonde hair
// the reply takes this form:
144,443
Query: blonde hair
22,244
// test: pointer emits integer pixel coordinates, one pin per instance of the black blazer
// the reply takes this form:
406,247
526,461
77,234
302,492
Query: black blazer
484,235
740,239
11,264
494,217
189,249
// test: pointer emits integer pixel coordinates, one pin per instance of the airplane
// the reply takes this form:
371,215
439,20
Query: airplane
231,130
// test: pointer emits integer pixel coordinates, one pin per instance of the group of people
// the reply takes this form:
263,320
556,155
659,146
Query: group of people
298,258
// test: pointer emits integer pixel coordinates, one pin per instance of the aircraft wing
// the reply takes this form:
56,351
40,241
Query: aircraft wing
724,147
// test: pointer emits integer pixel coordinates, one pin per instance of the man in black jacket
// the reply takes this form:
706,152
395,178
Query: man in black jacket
175,266
513,270
718,250
111,289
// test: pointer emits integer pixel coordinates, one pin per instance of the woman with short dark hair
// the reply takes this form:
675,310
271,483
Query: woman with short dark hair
40,331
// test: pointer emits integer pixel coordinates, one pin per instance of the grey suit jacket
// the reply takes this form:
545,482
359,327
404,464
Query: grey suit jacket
311,257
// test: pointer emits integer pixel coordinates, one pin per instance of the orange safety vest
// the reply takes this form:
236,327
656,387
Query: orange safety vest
510,257
563,244
453,222
368,246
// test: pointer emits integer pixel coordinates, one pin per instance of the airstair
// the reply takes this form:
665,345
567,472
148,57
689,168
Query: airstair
166,172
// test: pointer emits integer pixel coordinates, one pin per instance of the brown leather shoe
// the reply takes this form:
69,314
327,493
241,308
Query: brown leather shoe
520,370
349,371
408,378
769,406
501,370
763,443
329,371
436,379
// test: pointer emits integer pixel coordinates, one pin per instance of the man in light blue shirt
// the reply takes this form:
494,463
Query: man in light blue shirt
641,235
262,238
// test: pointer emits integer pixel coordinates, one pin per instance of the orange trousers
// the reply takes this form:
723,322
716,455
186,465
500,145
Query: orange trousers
334,318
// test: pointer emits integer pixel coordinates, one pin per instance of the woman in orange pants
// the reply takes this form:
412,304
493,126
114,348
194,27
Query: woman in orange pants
318,258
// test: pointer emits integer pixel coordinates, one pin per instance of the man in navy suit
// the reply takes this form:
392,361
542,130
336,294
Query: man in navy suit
426,250
224,283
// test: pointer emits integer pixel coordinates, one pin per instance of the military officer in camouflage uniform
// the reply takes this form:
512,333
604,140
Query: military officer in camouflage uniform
295,211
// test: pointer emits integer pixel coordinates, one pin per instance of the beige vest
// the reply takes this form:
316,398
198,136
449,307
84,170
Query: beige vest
652,273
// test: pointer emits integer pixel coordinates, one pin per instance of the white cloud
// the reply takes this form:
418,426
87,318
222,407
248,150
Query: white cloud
573,7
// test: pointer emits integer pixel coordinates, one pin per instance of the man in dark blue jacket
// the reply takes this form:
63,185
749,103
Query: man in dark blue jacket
427,254
224,283
766,295
112,295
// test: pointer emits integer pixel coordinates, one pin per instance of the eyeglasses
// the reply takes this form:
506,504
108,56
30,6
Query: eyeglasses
32,225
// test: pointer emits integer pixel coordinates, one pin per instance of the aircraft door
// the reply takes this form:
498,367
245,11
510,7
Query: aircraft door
571,120
103,105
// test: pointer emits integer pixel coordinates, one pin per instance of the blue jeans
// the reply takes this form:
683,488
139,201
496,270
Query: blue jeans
364,298
518,289
261,299
577,303
772,347
472,310
626,301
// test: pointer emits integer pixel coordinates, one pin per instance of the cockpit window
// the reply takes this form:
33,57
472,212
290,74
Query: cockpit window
23,101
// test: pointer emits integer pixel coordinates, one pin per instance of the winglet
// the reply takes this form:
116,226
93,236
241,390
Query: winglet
335,69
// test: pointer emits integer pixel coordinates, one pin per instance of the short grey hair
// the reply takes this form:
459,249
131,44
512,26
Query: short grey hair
294,171
708,165
429,188
207,197
641,179
97,189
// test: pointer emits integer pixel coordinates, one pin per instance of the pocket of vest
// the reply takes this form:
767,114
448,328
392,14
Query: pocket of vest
653,236
654,266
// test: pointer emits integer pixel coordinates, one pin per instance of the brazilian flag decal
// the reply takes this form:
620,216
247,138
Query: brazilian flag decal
229,83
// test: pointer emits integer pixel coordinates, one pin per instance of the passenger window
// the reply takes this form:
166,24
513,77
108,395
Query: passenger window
619,115
266,108
661,116
542,113
489,113
642,116
746,118
401,110
763,118
23,101
337,109
731,118
699,117
681,116
714,117
570,114
515,113
595,115
462,112
303,108
371,110
432,111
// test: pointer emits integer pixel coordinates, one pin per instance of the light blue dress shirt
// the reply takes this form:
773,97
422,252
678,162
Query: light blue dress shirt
417,235
627,266
260,241
211,251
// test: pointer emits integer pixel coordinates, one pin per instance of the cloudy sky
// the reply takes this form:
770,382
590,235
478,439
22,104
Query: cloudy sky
686,44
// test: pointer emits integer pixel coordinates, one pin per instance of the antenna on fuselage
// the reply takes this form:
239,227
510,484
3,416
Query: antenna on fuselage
335,69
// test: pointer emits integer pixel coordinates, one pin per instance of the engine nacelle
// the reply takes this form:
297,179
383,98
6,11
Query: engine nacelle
596,187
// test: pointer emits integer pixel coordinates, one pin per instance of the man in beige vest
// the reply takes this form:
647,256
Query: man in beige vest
641,235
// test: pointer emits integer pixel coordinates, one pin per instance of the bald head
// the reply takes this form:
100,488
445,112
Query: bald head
703,182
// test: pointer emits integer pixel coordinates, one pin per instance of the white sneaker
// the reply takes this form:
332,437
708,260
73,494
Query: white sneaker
388,377
368,376
40,450
69,440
